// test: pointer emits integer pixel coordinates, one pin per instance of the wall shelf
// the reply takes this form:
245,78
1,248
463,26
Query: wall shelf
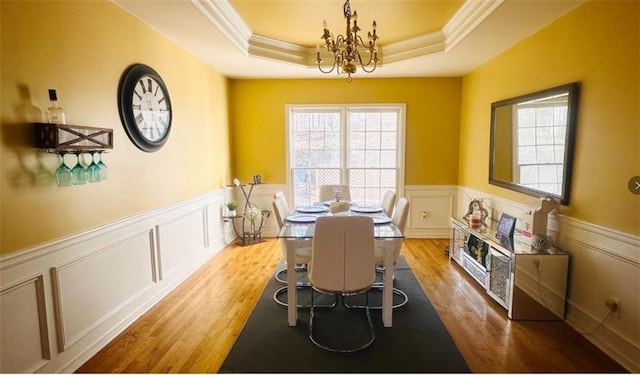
60,137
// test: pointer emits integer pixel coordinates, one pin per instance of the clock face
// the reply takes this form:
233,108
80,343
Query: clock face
145,107
150,109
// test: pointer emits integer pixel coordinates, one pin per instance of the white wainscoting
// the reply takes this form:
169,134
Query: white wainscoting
603,263
62,301
430,208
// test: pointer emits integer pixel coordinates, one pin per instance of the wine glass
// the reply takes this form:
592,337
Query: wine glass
63,173
78,173
93,171
104,171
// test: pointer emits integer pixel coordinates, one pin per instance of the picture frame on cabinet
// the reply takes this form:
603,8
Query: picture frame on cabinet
505,231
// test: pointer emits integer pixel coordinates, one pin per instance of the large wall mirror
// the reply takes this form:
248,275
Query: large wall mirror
532,139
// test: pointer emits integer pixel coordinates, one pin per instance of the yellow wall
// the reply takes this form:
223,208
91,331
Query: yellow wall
596,44
81,49
433,110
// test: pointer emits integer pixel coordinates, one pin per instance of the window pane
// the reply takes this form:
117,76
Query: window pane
547,174
526,137
528,175
544,135
526,155
526,118
544,154
389,122
373,122
388,140
357,141
356,121
388,159
373,140
356,159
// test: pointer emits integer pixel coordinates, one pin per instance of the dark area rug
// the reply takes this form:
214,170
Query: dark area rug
418,342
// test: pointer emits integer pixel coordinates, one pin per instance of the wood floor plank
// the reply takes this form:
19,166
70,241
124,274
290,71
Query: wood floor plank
194,327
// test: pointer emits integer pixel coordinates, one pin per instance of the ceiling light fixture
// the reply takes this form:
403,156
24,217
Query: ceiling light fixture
345,47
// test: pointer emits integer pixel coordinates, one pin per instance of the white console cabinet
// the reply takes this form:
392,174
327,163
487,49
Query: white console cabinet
530,285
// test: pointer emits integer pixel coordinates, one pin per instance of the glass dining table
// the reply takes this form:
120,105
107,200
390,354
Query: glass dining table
300,226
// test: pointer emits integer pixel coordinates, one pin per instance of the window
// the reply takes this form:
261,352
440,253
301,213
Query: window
360,146
540,148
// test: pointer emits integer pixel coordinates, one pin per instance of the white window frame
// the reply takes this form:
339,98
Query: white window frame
344,109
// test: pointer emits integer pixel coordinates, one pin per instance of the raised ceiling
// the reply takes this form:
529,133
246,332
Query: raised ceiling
278,38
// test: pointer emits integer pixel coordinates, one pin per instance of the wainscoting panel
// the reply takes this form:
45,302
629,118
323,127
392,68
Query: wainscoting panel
430,208
603,264
94,286
61,302
179,241
24,345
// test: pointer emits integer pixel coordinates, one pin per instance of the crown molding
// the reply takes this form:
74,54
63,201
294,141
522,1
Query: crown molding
225,18
262,46
471,14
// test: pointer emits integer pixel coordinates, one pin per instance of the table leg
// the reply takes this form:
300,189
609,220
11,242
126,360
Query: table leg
292,291
387,293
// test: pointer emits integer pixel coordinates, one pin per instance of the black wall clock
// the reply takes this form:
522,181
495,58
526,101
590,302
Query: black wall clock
145,107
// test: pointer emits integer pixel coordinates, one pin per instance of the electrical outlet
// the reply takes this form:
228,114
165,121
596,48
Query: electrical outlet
614,305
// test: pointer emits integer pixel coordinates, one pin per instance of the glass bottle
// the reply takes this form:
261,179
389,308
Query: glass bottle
55,113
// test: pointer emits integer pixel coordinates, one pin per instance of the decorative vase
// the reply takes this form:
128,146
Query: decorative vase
233,213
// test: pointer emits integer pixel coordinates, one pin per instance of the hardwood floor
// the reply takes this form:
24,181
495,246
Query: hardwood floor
195,326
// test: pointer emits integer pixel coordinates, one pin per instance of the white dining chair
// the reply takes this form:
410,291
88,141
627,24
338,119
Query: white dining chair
388,201
399,219
342,264
328,193
302,247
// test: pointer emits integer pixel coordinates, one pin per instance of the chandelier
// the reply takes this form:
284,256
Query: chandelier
345,48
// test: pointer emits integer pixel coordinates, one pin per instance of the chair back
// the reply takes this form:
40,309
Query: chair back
327,193
401,213
280,208
399,218
342,255
388,200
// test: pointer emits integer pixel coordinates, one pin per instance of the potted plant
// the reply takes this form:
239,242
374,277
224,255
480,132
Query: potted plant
232,205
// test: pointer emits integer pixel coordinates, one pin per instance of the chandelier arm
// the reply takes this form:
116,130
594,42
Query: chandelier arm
327,71
361,62
368,46
364,66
